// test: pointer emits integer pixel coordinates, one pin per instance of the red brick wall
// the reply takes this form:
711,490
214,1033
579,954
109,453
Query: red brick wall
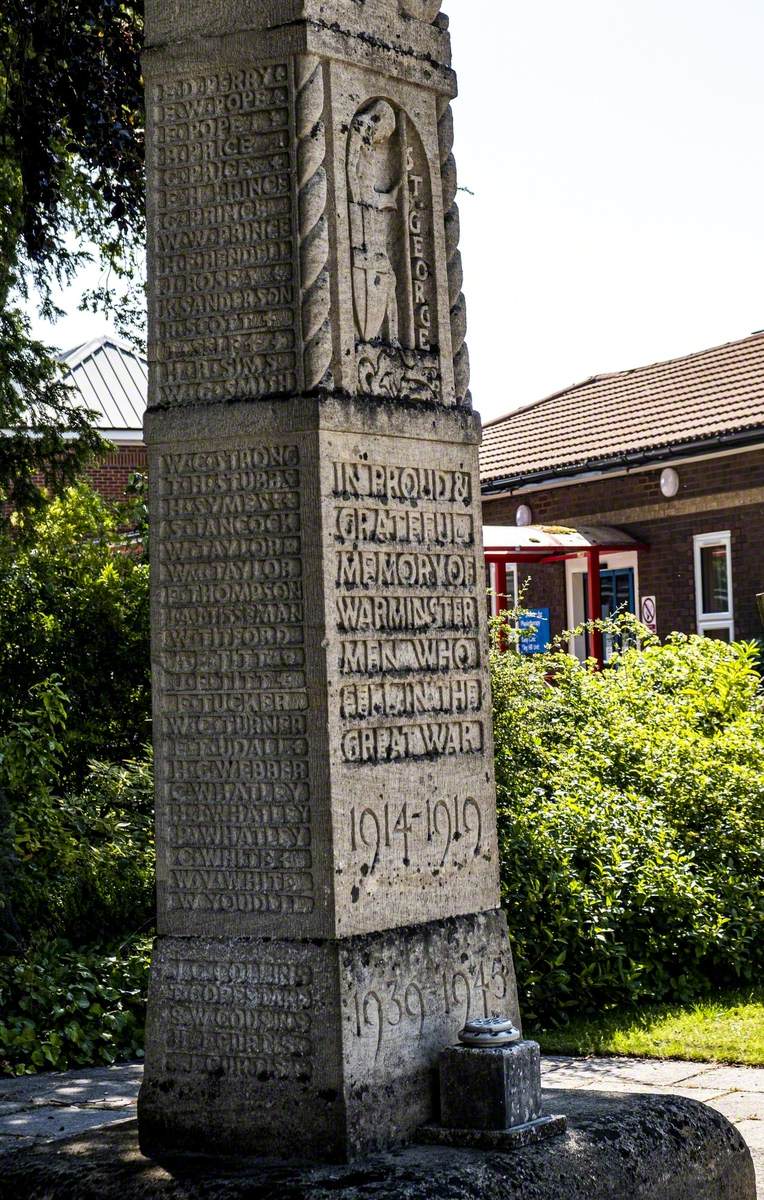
666,570
111,475
546,589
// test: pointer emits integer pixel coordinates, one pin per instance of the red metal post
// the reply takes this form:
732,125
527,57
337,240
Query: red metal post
594,593
501,598
501,584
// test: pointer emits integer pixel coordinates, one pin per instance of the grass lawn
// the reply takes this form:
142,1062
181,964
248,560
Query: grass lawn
727,1028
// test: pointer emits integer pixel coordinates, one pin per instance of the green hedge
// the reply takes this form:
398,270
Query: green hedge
63,1007
631,818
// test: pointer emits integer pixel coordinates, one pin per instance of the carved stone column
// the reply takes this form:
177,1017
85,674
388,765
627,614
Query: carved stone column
326,827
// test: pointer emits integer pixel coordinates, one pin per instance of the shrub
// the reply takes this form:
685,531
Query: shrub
72,863
61,1007
631,818
75,606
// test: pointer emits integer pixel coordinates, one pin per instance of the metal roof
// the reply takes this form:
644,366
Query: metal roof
111,379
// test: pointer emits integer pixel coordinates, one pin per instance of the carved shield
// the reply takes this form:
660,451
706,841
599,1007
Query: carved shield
371,293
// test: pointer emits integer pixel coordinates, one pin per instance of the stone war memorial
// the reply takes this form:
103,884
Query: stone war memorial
333,1007
328,865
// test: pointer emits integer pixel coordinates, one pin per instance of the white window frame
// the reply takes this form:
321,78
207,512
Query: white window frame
513,584
710,622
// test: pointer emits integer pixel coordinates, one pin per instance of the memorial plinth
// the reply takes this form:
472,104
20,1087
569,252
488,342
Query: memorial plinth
327,861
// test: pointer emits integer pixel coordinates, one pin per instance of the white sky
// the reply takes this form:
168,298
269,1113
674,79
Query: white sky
615,153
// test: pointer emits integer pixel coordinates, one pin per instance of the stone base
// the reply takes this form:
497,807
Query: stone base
496,1089
617,1148
327,1048
504,1140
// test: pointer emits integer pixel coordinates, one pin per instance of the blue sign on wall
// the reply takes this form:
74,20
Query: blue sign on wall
538,621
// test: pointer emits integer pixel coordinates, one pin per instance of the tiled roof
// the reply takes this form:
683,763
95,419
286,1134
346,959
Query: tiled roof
112,380
646,411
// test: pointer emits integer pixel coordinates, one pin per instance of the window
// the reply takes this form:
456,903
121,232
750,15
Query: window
713,585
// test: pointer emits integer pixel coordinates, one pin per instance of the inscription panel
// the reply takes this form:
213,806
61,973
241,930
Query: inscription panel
236,1037
235,815
240,1019
412,769
222,235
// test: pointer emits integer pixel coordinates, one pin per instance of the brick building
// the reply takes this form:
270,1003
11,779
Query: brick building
111,379
670,459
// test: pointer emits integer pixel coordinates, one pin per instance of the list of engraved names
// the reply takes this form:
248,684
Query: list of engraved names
242,1019
233,721
224,236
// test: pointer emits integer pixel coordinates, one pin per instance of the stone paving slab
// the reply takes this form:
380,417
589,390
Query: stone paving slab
55,1105
593,1071
741,1079
622,1087
52,1123
113,1087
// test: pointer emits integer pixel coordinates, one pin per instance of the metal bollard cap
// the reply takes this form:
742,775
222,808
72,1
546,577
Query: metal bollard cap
486,1032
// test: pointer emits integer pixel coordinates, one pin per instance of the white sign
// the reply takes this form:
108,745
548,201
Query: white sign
648,613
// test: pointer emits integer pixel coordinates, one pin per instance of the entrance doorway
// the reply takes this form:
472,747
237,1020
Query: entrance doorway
617,590
617,593
619,584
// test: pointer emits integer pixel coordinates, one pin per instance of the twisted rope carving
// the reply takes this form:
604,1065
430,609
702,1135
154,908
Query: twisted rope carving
457,303
313,224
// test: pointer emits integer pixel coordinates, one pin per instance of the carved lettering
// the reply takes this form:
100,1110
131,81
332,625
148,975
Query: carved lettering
238,1019
224,239
380,481
391,743
454,826
397,1008
392,256
234,687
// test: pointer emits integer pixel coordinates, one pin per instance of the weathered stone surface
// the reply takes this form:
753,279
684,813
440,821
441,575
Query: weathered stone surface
324,755
322,708
490,1089
249,1039
503,1141
303,231
617,1148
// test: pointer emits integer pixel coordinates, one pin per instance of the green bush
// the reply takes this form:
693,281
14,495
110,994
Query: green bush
61,1007
75,607
631,817
76,864
76,797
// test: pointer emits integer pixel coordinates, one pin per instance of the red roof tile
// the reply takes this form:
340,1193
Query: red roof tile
713,393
